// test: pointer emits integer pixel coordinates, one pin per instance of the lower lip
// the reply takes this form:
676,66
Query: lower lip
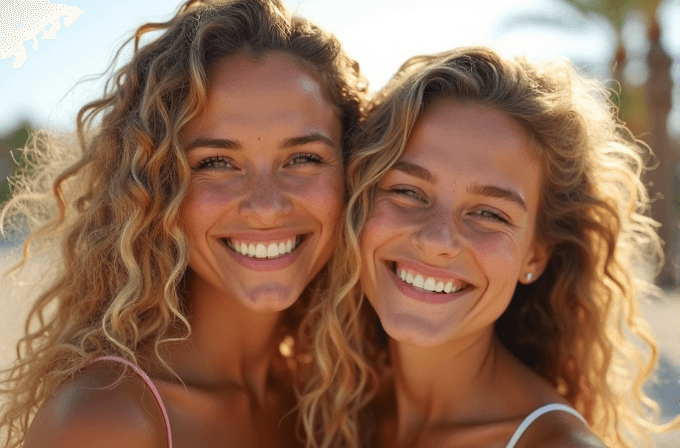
266,264
422,295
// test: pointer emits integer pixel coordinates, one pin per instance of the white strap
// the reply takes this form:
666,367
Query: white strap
537,413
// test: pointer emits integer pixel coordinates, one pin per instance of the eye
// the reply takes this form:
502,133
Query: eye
490,215
215,163
305,159
408,192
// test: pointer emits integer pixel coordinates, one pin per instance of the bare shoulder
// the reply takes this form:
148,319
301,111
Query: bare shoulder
559,430
94,409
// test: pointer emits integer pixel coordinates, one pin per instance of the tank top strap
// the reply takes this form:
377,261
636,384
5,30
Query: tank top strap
146,380
537,413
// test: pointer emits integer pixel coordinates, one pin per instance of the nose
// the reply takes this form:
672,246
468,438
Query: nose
438,236
265,200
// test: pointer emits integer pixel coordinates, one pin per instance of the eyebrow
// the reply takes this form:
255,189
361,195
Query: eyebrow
497,192
225,143
313,137
416,171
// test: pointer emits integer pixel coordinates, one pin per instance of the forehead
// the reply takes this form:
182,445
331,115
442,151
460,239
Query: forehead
275,75
474,133
238,71
472,143
262,95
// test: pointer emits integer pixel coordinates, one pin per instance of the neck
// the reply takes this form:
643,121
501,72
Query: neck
230,345
443,383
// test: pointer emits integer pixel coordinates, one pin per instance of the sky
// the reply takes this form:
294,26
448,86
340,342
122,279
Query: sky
49,51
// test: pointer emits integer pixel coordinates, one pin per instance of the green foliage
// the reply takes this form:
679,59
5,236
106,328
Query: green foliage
616,10
11,145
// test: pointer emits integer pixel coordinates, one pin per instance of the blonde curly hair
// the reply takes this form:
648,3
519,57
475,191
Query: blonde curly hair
106,208
577,325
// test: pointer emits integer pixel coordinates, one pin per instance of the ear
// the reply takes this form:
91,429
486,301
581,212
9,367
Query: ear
535,262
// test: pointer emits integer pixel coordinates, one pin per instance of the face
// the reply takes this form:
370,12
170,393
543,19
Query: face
452,224
266,188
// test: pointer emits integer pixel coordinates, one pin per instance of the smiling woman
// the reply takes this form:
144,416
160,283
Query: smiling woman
189,233
267,183
495,220
477,205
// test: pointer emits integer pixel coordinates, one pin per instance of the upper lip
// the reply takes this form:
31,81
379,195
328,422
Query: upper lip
431,271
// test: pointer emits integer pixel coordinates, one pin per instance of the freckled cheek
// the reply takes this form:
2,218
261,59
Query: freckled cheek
204,202
390,220
323,196
380,228
207,195
497,254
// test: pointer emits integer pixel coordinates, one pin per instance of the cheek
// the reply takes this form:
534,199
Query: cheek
387,220
495,248
204,201
378,228
500,256
207,194
323,196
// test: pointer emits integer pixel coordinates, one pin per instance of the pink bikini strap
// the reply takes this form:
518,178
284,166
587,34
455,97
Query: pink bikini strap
148,382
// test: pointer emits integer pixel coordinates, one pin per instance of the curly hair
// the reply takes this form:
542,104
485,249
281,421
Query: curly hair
577,325
106,208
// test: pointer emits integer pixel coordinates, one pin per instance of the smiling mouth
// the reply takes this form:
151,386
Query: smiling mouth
268,250
427,283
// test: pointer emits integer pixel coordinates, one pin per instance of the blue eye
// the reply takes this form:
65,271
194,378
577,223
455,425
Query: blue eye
215,163
304,159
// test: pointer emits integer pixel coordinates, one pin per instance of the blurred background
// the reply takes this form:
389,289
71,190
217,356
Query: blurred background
51,55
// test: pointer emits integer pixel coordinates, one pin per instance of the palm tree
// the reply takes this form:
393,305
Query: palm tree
663,181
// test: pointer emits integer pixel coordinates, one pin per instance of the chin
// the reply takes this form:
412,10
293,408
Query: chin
271,298
416,331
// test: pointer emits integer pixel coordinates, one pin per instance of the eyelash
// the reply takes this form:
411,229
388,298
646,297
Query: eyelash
310,158
409,192
491,216
209,162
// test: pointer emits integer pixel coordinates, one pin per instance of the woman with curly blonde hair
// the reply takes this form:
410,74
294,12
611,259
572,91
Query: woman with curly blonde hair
495,225
188,234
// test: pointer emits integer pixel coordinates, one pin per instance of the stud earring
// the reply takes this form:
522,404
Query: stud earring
530,276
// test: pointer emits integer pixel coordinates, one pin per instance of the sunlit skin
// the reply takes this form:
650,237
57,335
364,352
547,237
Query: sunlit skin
266,165
471,222
460,205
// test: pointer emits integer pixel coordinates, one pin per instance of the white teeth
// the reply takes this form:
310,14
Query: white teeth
272,250
428,284
260,250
